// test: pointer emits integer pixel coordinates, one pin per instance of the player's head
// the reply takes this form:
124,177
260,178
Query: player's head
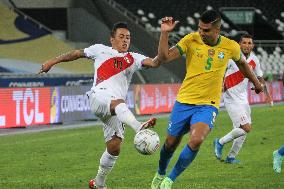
246,44
209,26
120,37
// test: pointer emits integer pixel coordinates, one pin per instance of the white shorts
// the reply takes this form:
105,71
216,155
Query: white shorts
240,114
100,106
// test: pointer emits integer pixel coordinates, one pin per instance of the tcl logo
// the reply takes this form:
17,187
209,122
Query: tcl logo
27,105
24,107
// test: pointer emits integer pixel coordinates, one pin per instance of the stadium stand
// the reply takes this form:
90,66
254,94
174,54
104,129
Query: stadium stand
272,60
148,14
188,12
27,44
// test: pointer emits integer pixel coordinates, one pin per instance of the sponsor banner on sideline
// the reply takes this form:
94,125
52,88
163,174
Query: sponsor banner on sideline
275,89
73,104
20,107
150,99
154,99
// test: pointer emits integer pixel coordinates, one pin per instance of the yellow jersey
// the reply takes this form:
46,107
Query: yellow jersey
205,68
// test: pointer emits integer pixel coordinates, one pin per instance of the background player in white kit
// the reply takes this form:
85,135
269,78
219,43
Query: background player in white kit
113,70
236,101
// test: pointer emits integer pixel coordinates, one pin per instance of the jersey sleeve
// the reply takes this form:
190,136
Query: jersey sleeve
93,51
236,51
138,60
258,72
183,44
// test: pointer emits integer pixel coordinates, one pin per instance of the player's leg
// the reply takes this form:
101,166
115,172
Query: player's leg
199,132
201,124
245,125
113,138
107,161
239,116
119,108
277,159
236,147
177,127
166,154
103,105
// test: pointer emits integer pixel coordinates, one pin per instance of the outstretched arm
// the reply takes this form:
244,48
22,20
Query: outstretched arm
246,71
72,55
173,53
164,53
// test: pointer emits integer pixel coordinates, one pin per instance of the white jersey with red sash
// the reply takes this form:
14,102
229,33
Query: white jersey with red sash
113,70
235,84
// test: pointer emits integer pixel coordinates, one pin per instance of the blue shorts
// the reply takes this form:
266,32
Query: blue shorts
185,115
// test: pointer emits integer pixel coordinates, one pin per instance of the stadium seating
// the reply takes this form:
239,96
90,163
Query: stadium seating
28,45
188,13
272,59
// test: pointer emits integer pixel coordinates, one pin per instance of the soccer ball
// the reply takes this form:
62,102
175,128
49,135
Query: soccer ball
146,141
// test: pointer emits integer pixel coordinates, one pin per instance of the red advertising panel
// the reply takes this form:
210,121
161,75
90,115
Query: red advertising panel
254,98
20,107
275,89
150,99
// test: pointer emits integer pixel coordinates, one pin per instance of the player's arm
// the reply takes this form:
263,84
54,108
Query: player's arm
173,53
152,62
246,71
265,90
164,53
72,55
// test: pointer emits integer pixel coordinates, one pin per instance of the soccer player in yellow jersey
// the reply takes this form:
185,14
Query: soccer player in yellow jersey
207,54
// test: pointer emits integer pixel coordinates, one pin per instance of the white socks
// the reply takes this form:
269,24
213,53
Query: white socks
235,133
107,162
237,145
126,116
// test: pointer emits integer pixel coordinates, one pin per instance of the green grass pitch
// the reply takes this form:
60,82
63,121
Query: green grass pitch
62,159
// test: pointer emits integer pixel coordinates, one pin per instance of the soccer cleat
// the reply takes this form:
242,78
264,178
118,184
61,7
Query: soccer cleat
166,183
232,160
148,124
157,180
277,161
92,185
217,148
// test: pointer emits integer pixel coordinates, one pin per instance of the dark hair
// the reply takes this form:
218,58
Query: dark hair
210,16
116,26
246,35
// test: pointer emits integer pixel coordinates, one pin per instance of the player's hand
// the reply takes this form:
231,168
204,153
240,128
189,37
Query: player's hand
168,24
45,67
269,100
258,88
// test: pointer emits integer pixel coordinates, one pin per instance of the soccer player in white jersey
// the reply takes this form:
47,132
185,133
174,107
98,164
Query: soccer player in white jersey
113,70
236,101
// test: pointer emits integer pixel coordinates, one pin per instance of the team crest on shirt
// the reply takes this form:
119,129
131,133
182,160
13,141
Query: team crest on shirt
211,53
221,55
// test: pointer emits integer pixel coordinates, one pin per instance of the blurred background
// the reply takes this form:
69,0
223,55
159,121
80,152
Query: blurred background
33,31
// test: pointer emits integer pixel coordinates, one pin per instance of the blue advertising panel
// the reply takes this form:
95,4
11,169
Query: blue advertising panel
44,81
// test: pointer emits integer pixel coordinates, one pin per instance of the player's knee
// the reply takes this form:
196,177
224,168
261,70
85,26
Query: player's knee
113,146
195,143
113,150
171,145
246,128
114,104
